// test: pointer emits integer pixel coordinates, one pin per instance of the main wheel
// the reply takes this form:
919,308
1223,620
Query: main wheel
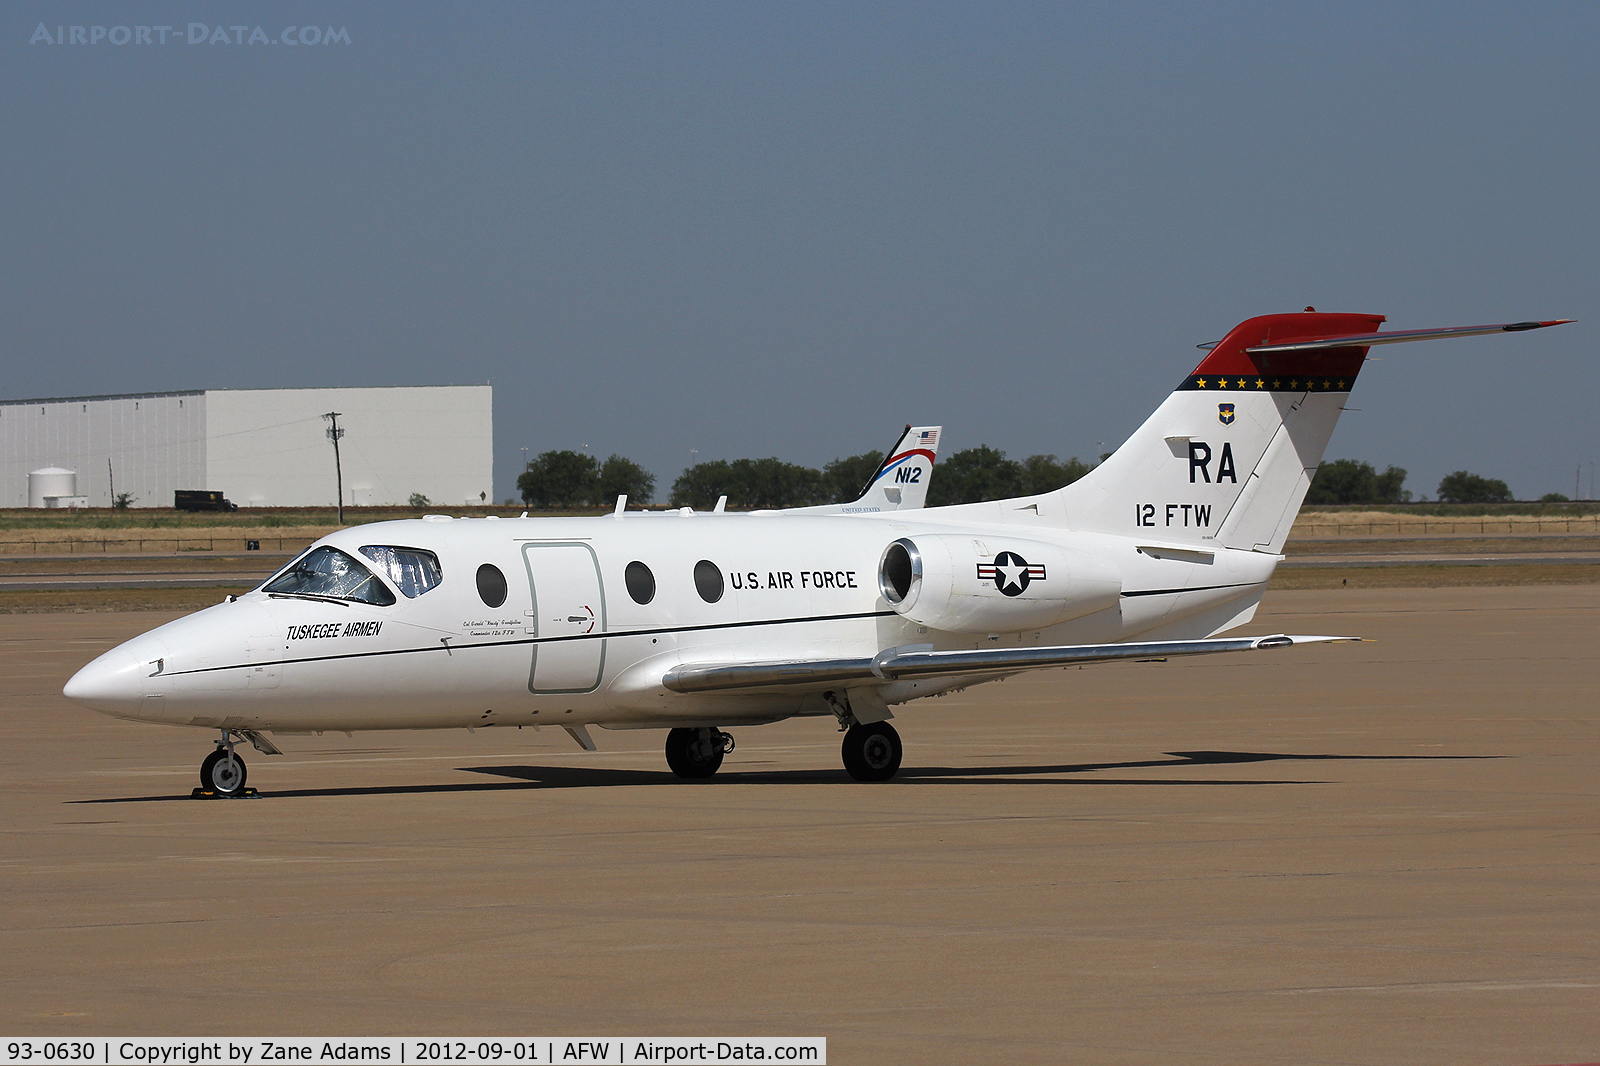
222,772
695,753
871,752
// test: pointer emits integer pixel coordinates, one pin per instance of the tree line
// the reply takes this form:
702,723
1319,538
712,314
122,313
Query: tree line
577,479
565,478
1349,481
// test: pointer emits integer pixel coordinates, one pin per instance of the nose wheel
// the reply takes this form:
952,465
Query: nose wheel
223,772
871,752
697,753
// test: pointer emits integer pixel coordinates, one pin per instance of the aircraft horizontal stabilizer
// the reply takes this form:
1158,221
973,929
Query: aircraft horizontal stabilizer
920,660
1366,340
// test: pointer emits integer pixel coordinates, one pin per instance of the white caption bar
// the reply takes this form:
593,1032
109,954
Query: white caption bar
410,1051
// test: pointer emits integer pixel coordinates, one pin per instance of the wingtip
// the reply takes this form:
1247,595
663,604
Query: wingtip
1306,638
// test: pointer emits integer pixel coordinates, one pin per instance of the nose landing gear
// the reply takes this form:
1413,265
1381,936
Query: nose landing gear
697,753
223,772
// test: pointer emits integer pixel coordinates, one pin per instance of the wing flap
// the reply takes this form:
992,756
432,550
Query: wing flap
919,660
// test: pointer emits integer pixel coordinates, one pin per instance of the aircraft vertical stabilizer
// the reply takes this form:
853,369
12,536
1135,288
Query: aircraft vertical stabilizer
1227,459
901,481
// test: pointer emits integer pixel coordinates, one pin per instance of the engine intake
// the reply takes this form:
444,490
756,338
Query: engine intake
900,573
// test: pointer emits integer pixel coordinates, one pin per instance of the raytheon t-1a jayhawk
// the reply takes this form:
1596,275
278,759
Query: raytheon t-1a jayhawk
697,622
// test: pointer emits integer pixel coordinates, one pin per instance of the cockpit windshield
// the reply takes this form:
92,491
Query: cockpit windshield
329,572
412,570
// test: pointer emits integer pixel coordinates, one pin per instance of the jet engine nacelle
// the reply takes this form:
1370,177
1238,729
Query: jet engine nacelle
1000,584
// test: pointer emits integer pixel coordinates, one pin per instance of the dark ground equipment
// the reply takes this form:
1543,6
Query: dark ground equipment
202,500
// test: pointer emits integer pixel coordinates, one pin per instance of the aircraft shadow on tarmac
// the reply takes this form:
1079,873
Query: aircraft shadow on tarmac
543,777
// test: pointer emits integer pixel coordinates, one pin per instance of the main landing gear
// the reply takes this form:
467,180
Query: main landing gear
871,752
697,753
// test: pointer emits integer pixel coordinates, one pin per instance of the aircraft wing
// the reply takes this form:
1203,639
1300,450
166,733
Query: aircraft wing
920,660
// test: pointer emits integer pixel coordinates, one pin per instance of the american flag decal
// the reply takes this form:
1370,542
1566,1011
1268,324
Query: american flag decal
1011,573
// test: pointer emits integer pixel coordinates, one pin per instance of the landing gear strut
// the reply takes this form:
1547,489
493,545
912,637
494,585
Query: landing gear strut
223,771
697,753
871,752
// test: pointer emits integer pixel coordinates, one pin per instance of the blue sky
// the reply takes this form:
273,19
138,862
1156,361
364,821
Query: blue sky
787,229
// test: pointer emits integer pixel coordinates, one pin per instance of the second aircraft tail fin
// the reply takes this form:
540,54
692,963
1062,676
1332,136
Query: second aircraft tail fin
901,481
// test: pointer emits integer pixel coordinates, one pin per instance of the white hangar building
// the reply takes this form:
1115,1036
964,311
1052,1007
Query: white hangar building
259,447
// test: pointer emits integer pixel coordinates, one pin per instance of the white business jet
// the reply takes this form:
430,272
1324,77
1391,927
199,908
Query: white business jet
697,622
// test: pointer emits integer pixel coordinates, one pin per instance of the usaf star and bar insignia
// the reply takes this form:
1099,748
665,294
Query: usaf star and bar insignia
1011,573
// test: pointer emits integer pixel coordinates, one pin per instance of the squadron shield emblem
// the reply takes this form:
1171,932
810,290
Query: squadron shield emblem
1225,413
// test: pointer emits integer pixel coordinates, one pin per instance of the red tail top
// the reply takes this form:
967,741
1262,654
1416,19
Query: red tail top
1230,357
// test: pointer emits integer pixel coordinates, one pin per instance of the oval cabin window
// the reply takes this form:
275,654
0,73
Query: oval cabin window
640,581
708,580
491,585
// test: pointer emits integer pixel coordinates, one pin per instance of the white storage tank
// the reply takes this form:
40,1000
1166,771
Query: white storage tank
50,482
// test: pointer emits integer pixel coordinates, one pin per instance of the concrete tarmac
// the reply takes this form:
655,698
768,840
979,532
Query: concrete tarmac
1376,853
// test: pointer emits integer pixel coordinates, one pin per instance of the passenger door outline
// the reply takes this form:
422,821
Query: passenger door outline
575,591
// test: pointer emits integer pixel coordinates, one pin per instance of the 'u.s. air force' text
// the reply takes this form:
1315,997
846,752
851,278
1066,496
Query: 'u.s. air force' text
786,579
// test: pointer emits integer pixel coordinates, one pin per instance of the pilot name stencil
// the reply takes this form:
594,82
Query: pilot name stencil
335,629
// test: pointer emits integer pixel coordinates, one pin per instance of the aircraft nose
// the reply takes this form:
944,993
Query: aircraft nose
115,681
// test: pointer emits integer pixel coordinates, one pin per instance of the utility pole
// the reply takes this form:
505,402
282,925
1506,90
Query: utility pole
334,433
112,477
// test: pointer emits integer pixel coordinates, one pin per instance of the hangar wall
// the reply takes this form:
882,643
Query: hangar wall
269,447
155,441
260,447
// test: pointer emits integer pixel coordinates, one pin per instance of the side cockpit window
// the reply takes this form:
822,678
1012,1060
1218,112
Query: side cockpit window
412,570
331,574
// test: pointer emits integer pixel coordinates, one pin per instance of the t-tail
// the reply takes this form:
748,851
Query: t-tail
1226,460
901,481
